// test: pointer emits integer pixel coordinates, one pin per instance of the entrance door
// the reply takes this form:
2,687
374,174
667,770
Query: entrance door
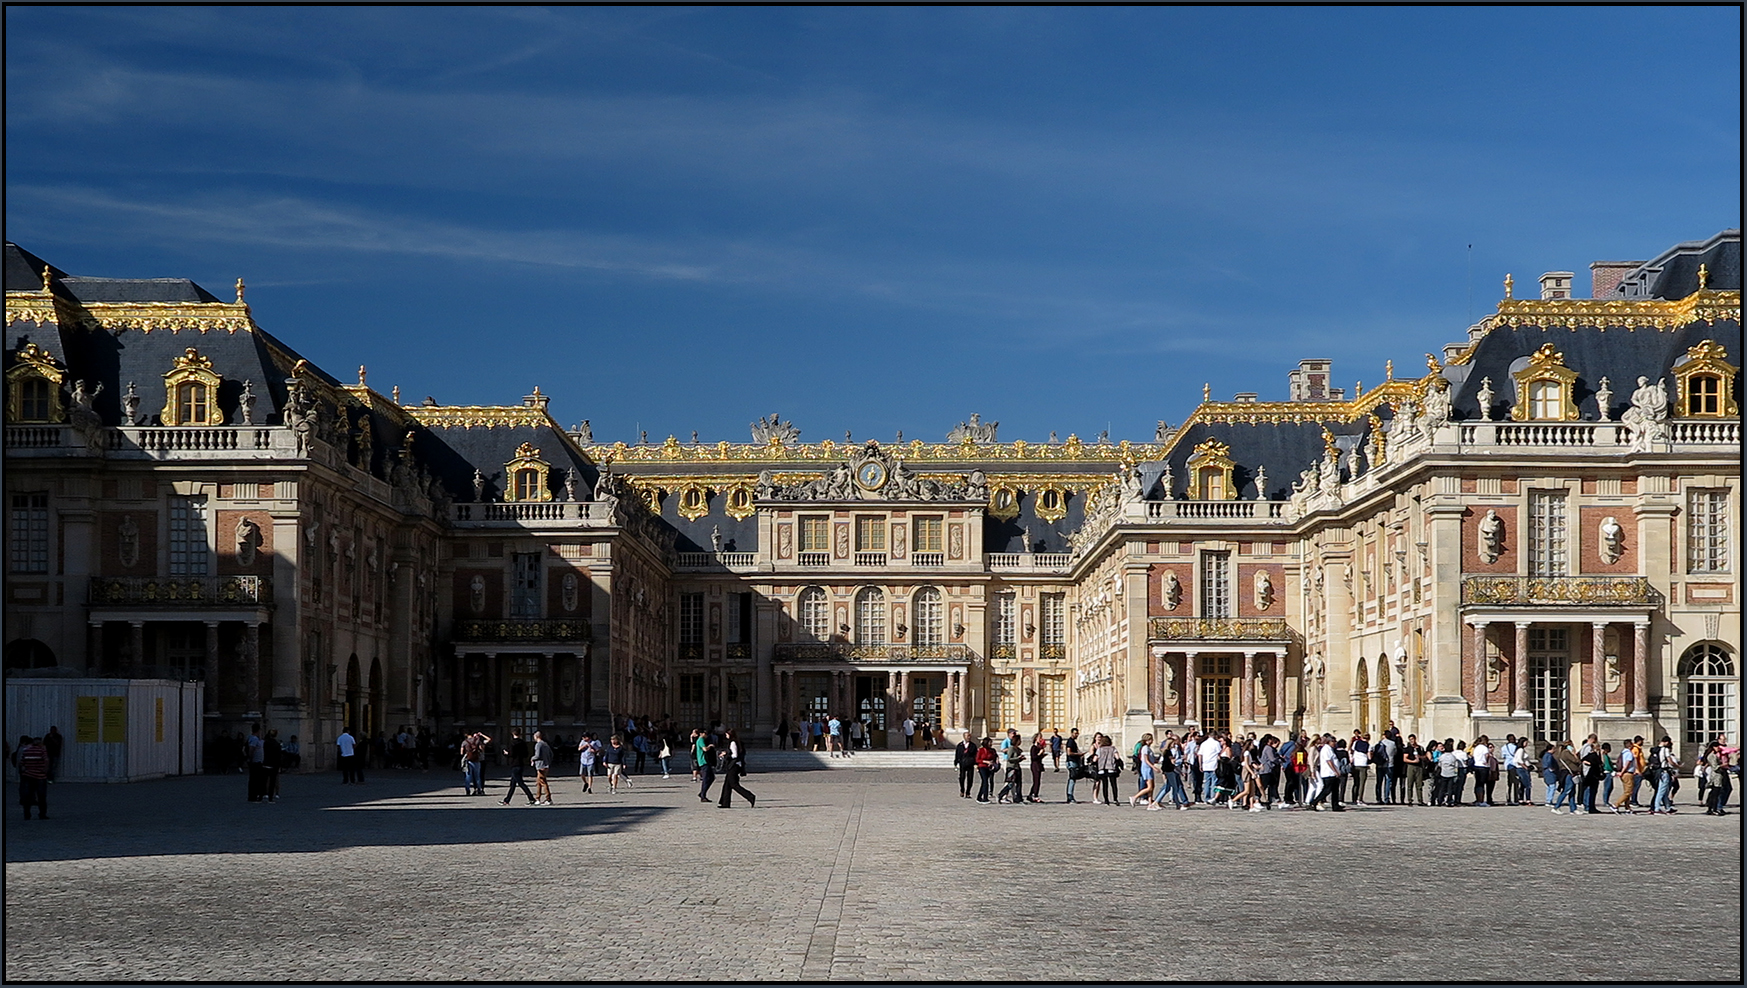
1216,684
525,590
870,706
925,696
525,694
1550,683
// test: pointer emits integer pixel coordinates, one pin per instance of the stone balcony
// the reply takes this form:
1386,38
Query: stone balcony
523,631
528,514
191,592
792,652
1559,591
1194,629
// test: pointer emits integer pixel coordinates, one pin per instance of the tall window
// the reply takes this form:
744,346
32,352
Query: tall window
1708,675
1546,401
1003,702
870,616
927,535
1216,584
1052,701
191,399
1549,683
691,699
870,533
1707,532
1006,619
1704,395
525,585
815,614
1055,619
30,533
815,533
691,619
527,485
1547,533
34,399
188,552
926,613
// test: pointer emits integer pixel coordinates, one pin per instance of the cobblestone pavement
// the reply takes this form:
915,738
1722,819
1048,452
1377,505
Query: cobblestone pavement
860,874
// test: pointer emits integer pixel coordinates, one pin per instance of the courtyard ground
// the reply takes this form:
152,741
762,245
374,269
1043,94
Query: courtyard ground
848,874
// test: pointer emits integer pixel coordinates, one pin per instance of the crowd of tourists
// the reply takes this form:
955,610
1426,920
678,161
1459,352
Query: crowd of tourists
842,737
1322,772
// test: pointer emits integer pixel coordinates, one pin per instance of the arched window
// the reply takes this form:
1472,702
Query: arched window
1712,687
870,616
928,616
815,612
1362,705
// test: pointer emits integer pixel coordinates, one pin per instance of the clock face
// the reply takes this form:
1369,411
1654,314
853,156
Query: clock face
871,475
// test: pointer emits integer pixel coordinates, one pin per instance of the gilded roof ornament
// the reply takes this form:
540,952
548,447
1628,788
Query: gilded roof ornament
1207,391
47,275
1704,277
1508,282
361,375
1388,370
239,291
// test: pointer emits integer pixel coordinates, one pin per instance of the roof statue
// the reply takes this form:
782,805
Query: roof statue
974,431
774,430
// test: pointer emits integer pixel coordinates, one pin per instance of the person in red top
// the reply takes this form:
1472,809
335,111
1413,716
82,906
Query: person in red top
33,776
987,759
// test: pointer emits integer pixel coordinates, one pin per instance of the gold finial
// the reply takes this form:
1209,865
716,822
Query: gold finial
361,375
397,394
239,291
46,275
1207,392
1704,276
1433,365
1389,370
1508,282
1358,389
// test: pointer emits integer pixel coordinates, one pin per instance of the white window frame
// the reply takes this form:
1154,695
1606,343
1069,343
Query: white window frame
1707,531
870,616
928,617
1549,532
1216,585
190,548
691,619
814,610
1006,619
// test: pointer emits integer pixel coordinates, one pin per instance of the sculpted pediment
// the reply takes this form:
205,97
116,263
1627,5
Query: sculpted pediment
872,474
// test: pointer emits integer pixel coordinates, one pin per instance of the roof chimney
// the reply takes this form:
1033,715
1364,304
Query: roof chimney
1247,397
1604,276
1557,284
1310,381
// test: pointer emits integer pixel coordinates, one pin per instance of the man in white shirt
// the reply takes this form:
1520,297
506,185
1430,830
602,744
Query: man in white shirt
1208,756
909,733
1359,749
1328,772
348,746
1484,771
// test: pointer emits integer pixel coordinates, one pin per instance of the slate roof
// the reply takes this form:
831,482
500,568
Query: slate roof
452,453
1673,274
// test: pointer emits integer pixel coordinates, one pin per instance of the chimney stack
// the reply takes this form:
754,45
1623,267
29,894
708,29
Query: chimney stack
1604,276
1557,284
1310,381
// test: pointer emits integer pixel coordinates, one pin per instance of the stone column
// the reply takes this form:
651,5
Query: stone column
1480,667
548,687
1598,667
1640,668
1520,669
964,701
136,658
955,687
1155,685
1248,694
494,692
1280,688
1190,684
251,655
212,667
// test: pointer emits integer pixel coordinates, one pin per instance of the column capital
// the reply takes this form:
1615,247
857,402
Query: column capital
210,624
1641,625
1478,622
1598,625
1524,624
137,624
1160,651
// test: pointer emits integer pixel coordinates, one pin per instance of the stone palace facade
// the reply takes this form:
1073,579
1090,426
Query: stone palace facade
1535,531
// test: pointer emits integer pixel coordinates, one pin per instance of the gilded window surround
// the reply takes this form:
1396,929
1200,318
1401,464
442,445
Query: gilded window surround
1706,359
34,362
527,458
191,368
1215,455
1545,364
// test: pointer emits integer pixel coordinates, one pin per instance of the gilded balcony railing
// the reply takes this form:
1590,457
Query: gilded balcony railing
1531,591
183,591
550,630
1219,629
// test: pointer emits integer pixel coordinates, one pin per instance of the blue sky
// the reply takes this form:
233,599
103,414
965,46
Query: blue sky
865,219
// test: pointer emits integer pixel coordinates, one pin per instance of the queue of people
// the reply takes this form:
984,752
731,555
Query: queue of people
1327,773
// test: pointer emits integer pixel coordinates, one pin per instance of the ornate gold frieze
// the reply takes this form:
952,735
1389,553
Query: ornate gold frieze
170,317
1704,306
916,451
477,416
1507,591
37,307
1168,629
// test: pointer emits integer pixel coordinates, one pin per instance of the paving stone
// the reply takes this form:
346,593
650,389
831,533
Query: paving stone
864,874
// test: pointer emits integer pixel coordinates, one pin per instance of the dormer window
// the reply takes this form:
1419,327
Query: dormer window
1210,472
1705,381
191,392
33,387
1544,388
527,485
527,475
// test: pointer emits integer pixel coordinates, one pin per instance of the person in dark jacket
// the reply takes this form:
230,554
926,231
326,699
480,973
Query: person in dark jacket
964,757
733,757
517,753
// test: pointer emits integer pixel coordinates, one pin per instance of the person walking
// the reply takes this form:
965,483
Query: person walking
1107,763
1055,748
964,758
1039,749
1169,776
347,745
542,764
1718,787
665,757
704,753
52,742
987,759
517,754
1013,759
587,751
1076,760
909,733
1146,769
614,756
1328,776
33,776
1665,769
1359,752
733,758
